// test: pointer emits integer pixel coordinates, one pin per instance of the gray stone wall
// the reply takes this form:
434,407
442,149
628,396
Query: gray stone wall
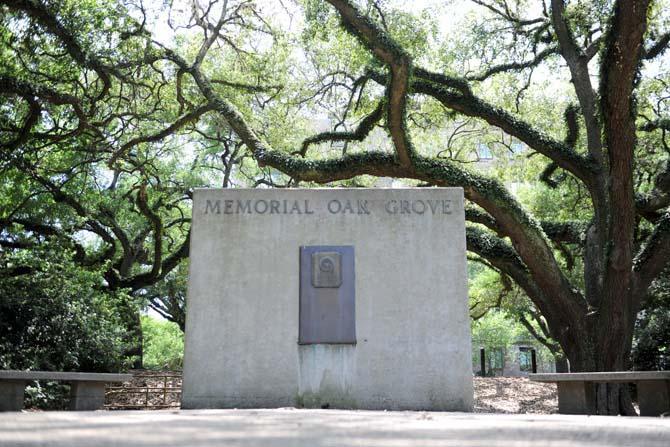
412,325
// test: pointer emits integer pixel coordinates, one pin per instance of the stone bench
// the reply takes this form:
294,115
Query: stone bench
576,391
87,390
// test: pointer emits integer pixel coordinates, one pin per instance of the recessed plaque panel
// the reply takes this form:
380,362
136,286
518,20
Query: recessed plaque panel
327,295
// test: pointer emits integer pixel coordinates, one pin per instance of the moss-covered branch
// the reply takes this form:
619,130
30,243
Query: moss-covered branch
179,123
469,105
502,256
477,215
399,62
516,66
571,232
654,256
22,88
50,21
658,47
323,171
494,249
359,134
30,120
661,123
578,63
649,205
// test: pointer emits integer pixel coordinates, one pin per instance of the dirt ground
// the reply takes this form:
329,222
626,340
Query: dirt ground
492,395
514,395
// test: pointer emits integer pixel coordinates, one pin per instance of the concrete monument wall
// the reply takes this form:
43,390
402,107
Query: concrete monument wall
412,327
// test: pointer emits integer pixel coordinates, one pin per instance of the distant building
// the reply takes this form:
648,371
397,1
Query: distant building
514,360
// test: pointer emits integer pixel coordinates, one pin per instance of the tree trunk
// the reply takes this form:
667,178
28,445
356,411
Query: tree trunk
133,337
561,364
136,351
593,353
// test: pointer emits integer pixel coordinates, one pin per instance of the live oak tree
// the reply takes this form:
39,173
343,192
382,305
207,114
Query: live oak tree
92,155
95,89
593,323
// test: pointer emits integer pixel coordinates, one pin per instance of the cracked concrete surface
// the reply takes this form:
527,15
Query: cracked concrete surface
315,428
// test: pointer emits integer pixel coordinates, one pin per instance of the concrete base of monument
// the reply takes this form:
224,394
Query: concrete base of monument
289,427
325,378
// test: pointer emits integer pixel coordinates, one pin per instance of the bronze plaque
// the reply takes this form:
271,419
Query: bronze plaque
326,269
327,295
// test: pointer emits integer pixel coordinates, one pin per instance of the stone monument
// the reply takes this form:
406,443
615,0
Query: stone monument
332,298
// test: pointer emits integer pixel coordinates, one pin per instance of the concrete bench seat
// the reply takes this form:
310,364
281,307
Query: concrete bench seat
87,390
576,391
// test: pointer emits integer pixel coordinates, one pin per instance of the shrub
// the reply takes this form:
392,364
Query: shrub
59,318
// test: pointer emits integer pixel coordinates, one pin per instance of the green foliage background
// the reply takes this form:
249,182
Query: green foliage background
163,344
61,318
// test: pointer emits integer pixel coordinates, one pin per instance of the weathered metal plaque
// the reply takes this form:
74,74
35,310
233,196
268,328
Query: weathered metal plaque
326,269
327,295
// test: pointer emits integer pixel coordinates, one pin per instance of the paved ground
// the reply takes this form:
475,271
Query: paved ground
316,428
